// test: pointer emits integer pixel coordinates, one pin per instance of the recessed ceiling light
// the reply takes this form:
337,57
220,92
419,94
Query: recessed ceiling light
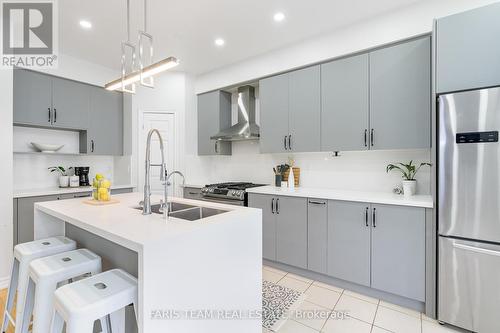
85,24
220,42
279,16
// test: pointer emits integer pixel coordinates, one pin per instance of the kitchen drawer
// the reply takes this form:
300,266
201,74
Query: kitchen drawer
192,193
121,191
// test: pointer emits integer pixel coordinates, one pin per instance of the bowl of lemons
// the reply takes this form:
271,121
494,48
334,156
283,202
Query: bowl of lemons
101,188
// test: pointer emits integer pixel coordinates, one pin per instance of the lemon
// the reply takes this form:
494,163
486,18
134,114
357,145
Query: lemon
106,183
99,176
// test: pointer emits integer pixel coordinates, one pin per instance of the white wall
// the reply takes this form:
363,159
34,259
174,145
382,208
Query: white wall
410,21
168,95
6,172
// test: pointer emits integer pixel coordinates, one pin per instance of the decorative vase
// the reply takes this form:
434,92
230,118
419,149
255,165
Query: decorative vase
409,187
63,181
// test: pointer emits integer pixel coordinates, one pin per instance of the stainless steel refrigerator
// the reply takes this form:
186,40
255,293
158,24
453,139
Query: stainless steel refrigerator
469,210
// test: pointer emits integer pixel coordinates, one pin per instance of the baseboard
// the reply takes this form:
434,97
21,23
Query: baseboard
4,282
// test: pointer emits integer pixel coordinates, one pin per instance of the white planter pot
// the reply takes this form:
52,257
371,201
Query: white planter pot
63,181
409,187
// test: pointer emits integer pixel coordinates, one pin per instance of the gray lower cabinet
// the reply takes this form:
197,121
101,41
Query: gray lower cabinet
317,235
467,50
291,231
214,114
32,98
25,216
267,204
398,250
70,104
400,96
349,241
105,132
345,104
304,110
14,224
192,193
274,99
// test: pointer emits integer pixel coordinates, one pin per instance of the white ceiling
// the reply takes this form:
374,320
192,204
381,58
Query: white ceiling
187,28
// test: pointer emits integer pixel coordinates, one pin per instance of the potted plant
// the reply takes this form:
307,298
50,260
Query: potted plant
63,176
409,171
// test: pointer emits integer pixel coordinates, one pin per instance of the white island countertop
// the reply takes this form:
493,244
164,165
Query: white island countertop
37,192
424,201
210,264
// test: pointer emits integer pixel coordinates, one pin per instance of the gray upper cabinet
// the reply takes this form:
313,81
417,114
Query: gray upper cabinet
32,98
317,236
468,50
291,231
304,110
214,114
274,95
267,204
400,102
105,132
290,112
70,104
398,250
345,104
349,241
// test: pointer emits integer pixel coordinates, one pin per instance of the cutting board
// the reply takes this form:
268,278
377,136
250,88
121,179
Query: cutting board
101,203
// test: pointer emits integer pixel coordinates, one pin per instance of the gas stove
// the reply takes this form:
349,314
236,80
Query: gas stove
228,191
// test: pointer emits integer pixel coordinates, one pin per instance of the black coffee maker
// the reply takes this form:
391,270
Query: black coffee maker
83,174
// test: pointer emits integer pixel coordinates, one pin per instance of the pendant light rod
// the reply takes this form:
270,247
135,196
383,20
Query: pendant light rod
128,20
145,15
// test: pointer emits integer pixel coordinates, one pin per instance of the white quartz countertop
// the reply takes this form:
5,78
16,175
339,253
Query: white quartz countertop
424,201
125,225
37,192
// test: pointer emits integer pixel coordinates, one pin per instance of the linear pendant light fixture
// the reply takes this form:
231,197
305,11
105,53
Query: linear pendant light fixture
146,72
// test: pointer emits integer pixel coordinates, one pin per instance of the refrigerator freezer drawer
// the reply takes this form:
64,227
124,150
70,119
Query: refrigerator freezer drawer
469,285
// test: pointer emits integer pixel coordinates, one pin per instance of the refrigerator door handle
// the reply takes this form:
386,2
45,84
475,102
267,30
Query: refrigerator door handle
476,249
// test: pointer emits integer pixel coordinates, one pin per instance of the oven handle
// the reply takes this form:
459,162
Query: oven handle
222,201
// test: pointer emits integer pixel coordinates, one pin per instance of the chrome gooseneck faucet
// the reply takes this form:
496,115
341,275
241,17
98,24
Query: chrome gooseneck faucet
146,209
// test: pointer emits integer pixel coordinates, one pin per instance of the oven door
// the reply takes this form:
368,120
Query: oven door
223,201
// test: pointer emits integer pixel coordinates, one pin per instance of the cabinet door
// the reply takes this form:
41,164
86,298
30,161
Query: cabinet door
400,83
467,50
344,109
32,98
71,104
317,235
25,216
291,231
14,229
214,114
398,251
266,203
105,132
349,241
273,95
305,110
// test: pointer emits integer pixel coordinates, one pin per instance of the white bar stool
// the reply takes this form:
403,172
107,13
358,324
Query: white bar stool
46,274
81,303
23,255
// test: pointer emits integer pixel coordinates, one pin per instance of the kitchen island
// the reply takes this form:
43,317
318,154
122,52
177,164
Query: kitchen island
194,276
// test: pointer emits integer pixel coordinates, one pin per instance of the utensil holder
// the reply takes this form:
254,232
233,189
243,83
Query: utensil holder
277,180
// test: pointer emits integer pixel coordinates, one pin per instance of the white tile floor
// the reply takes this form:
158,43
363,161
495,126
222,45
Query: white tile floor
366,314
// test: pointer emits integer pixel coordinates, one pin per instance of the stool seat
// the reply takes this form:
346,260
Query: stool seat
43,247
45,275
81,303
24,254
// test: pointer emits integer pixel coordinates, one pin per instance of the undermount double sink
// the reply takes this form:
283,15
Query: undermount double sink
186,212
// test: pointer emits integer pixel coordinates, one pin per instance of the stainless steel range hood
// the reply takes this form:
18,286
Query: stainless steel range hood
246,128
